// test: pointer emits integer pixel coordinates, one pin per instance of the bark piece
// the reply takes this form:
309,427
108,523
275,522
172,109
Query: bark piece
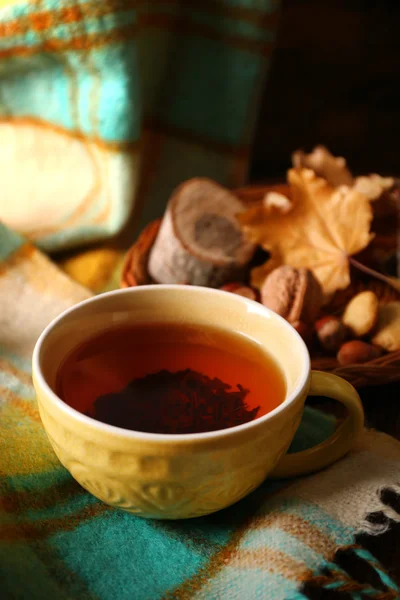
200,241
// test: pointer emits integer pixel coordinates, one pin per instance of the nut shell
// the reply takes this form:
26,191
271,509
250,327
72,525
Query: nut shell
305,331
331,333
387,334
240,289
357,352
361,313
246,292
295,294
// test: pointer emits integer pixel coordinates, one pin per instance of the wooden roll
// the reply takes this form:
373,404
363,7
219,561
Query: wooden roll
200,241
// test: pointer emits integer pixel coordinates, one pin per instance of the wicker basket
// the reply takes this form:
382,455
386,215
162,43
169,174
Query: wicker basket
385,369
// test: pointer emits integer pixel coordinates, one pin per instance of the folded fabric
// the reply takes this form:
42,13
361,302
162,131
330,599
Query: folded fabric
332,535
106,106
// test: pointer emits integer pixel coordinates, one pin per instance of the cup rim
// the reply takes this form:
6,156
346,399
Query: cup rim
41,382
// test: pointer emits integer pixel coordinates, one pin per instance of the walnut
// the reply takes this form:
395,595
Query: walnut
295,294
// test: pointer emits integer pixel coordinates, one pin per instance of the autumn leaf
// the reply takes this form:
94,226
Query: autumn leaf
336,172
332,168
258,274
274,202
323,229
251,194
373,186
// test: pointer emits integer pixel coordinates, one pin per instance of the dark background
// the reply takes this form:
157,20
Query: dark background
334,79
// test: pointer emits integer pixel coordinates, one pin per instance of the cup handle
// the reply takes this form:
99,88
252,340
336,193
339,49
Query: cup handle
340,442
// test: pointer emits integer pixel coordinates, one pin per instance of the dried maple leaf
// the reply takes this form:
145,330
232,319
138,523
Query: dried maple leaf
255,193
258,274
334,169
275,202
373,186
323,229
323,163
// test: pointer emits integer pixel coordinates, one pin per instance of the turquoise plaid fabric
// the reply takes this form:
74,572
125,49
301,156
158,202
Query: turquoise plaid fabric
104,109
281,542
106,106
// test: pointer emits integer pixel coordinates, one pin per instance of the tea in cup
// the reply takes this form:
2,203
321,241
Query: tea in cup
177,401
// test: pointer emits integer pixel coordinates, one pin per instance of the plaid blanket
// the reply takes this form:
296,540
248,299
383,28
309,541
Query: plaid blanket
106,106
332,535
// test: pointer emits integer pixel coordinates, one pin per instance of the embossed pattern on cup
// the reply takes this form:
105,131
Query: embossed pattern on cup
217,478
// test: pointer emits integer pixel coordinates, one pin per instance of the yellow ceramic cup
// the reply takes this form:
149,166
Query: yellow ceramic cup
180,476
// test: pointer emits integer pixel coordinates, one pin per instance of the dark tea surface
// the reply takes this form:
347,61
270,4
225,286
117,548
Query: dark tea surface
171,378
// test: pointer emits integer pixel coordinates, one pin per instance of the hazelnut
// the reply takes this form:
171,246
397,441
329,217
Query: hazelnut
295,294
361,313
305,331
356,352
247,292
232,286
331,333
240,289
